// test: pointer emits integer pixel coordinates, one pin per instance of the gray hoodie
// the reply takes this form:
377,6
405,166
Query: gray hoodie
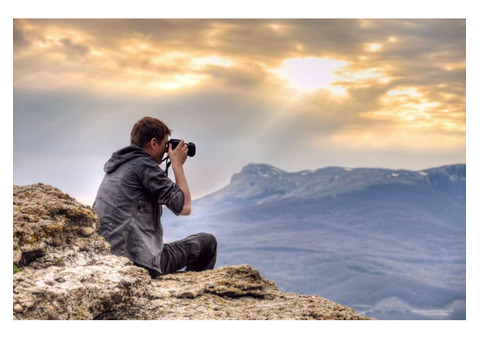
129,205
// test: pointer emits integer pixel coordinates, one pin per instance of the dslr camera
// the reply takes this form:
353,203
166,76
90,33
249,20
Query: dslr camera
191,147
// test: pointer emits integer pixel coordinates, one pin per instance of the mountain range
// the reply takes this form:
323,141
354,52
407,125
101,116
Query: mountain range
389,243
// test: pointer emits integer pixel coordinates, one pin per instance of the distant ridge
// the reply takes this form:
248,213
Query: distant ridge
260,183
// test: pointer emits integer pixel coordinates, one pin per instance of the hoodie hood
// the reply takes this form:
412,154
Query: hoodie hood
122,156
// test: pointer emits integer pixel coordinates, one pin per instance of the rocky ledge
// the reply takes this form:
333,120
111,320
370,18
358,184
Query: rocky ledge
64,270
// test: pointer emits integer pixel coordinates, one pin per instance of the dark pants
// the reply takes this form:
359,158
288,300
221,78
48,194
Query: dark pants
196,252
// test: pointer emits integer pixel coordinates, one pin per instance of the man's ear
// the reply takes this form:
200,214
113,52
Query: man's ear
150,144
153,142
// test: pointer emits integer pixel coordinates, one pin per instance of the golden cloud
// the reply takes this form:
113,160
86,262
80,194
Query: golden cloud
354,75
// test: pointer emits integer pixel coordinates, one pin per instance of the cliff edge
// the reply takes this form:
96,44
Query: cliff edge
64,270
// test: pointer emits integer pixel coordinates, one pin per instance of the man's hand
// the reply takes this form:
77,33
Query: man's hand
178,156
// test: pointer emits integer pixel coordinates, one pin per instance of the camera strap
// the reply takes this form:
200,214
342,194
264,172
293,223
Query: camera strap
168,164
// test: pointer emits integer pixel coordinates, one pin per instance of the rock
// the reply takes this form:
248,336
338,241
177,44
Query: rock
234,292
86,231
67,272
18,308
45,228
80,292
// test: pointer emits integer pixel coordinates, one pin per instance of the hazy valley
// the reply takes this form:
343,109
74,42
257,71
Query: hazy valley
390,243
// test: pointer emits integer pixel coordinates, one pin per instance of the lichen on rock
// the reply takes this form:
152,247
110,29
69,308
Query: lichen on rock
67,272
46,227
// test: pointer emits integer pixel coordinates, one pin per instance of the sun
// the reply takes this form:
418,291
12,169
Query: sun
309,74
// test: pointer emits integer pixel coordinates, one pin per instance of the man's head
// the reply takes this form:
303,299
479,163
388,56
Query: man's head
151,134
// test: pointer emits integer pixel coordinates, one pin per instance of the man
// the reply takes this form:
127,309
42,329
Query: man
130,198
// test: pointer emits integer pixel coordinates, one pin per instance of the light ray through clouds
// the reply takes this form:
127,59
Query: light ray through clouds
297,94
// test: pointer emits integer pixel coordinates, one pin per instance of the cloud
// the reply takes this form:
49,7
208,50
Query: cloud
136,52
73,48
398,87
19,39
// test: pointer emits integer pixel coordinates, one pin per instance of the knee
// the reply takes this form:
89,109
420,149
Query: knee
194,250
207,241
210,238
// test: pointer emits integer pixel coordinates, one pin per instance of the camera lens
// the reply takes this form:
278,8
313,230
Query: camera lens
192,150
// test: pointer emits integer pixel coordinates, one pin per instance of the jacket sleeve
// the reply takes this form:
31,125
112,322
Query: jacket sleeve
154,180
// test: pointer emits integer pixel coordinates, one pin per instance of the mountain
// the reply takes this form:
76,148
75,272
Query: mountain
261,183
390,243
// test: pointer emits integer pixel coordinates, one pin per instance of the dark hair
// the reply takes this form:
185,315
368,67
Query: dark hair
147,128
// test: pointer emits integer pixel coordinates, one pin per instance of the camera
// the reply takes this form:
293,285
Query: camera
191,147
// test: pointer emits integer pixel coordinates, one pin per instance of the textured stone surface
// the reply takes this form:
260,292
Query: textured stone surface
78,292
233,292
47,229
67,272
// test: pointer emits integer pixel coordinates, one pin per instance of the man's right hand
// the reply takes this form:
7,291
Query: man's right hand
178,156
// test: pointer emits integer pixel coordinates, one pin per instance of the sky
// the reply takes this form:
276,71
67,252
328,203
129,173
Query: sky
294,93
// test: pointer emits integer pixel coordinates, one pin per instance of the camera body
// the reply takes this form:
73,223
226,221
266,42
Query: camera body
191,147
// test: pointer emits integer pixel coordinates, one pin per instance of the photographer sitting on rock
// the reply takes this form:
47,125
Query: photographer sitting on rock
130,198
